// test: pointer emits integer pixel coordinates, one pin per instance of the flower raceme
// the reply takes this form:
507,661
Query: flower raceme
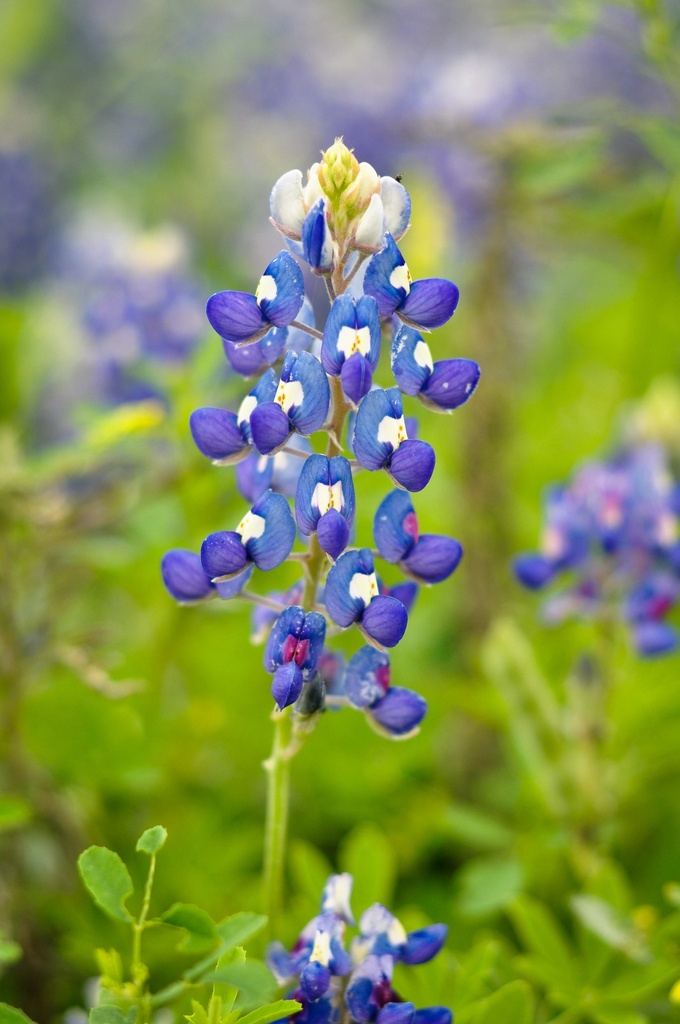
333,983
320,380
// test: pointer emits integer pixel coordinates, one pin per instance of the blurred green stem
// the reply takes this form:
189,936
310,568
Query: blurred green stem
276,827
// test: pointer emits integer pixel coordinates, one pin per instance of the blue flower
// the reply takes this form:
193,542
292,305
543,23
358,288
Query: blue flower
250,359
428,558
351,344
380,441
186,580
393,711
421,304
301,404
352,596
264,536
441,386
224,436
244,318
324,503
292,652
317,243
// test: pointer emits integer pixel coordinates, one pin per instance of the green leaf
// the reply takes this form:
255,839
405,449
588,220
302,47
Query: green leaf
201,929
513,1002
617,1015
476,829
554,960
14,812
251,977
107,880
488,884
10,951
640,982
11,1015
611,927
274,1011
199,1015
236,929
369,857
152,840
112,1015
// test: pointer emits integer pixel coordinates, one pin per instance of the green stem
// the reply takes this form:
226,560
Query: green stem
139,971
276,827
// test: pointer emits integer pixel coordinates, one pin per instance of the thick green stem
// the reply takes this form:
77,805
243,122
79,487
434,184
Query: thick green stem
276,827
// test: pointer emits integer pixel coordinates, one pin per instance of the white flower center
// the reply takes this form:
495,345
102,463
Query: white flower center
266,289
363,587
322,948
392,431
245,409
401,278
423,356
251,527
351,340
288,394
325,497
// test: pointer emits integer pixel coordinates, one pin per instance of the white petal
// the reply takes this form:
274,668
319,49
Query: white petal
286,205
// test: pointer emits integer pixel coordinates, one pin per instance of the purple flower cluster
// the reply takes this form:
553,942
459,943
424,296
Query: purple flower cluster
613,532
343,223
335,984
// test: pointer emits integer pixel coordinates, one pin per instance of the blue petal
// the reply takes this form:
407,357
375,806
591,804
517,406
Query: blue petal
377,278
270,427
217,434
400,711
412,465
333,533
288,624
424,944
254,476
385,620
396,1013
368,315
356,377
534,571
408,347
315,470
395,526
429,303
312,636
250,359
433,558
342,607
405,592
434,1015
317,244
286,685
450,384
223,554
184,576
396,205
374,408
653,638
276,543
341,472
236,316
264,391
230,588
314,980
290,290
367,677
278,961
342,314
306,369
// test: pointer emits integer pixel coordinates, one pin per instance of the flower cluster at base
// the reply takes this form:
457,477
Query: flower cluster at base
613,530
335,984
345,223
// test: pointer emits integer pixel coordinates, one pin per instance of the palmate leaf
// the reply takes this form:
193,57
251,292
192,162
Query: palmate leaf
107,880
552,961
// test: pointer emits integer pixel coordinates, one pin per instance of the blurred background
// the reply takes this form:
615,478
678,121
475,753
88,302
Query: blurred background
139,142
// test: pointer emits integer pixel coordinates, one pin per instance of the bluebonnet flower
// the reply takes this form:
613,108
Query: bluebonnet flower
613,530
243,318
186,580
27,220
322,379
333,984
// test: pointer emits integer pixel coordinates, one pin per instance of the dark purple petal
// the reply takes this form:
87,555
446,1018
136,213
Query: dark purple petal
314,980
236,316
367,677
230,588
450,384
356,377
400,711
534,571
385,620
317,244
433,558
217,434
250,359
654,638
278,651
424,944
270,427
429,303
434,1015
223,554
412,465
333,533
287,685
405,592
184,576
